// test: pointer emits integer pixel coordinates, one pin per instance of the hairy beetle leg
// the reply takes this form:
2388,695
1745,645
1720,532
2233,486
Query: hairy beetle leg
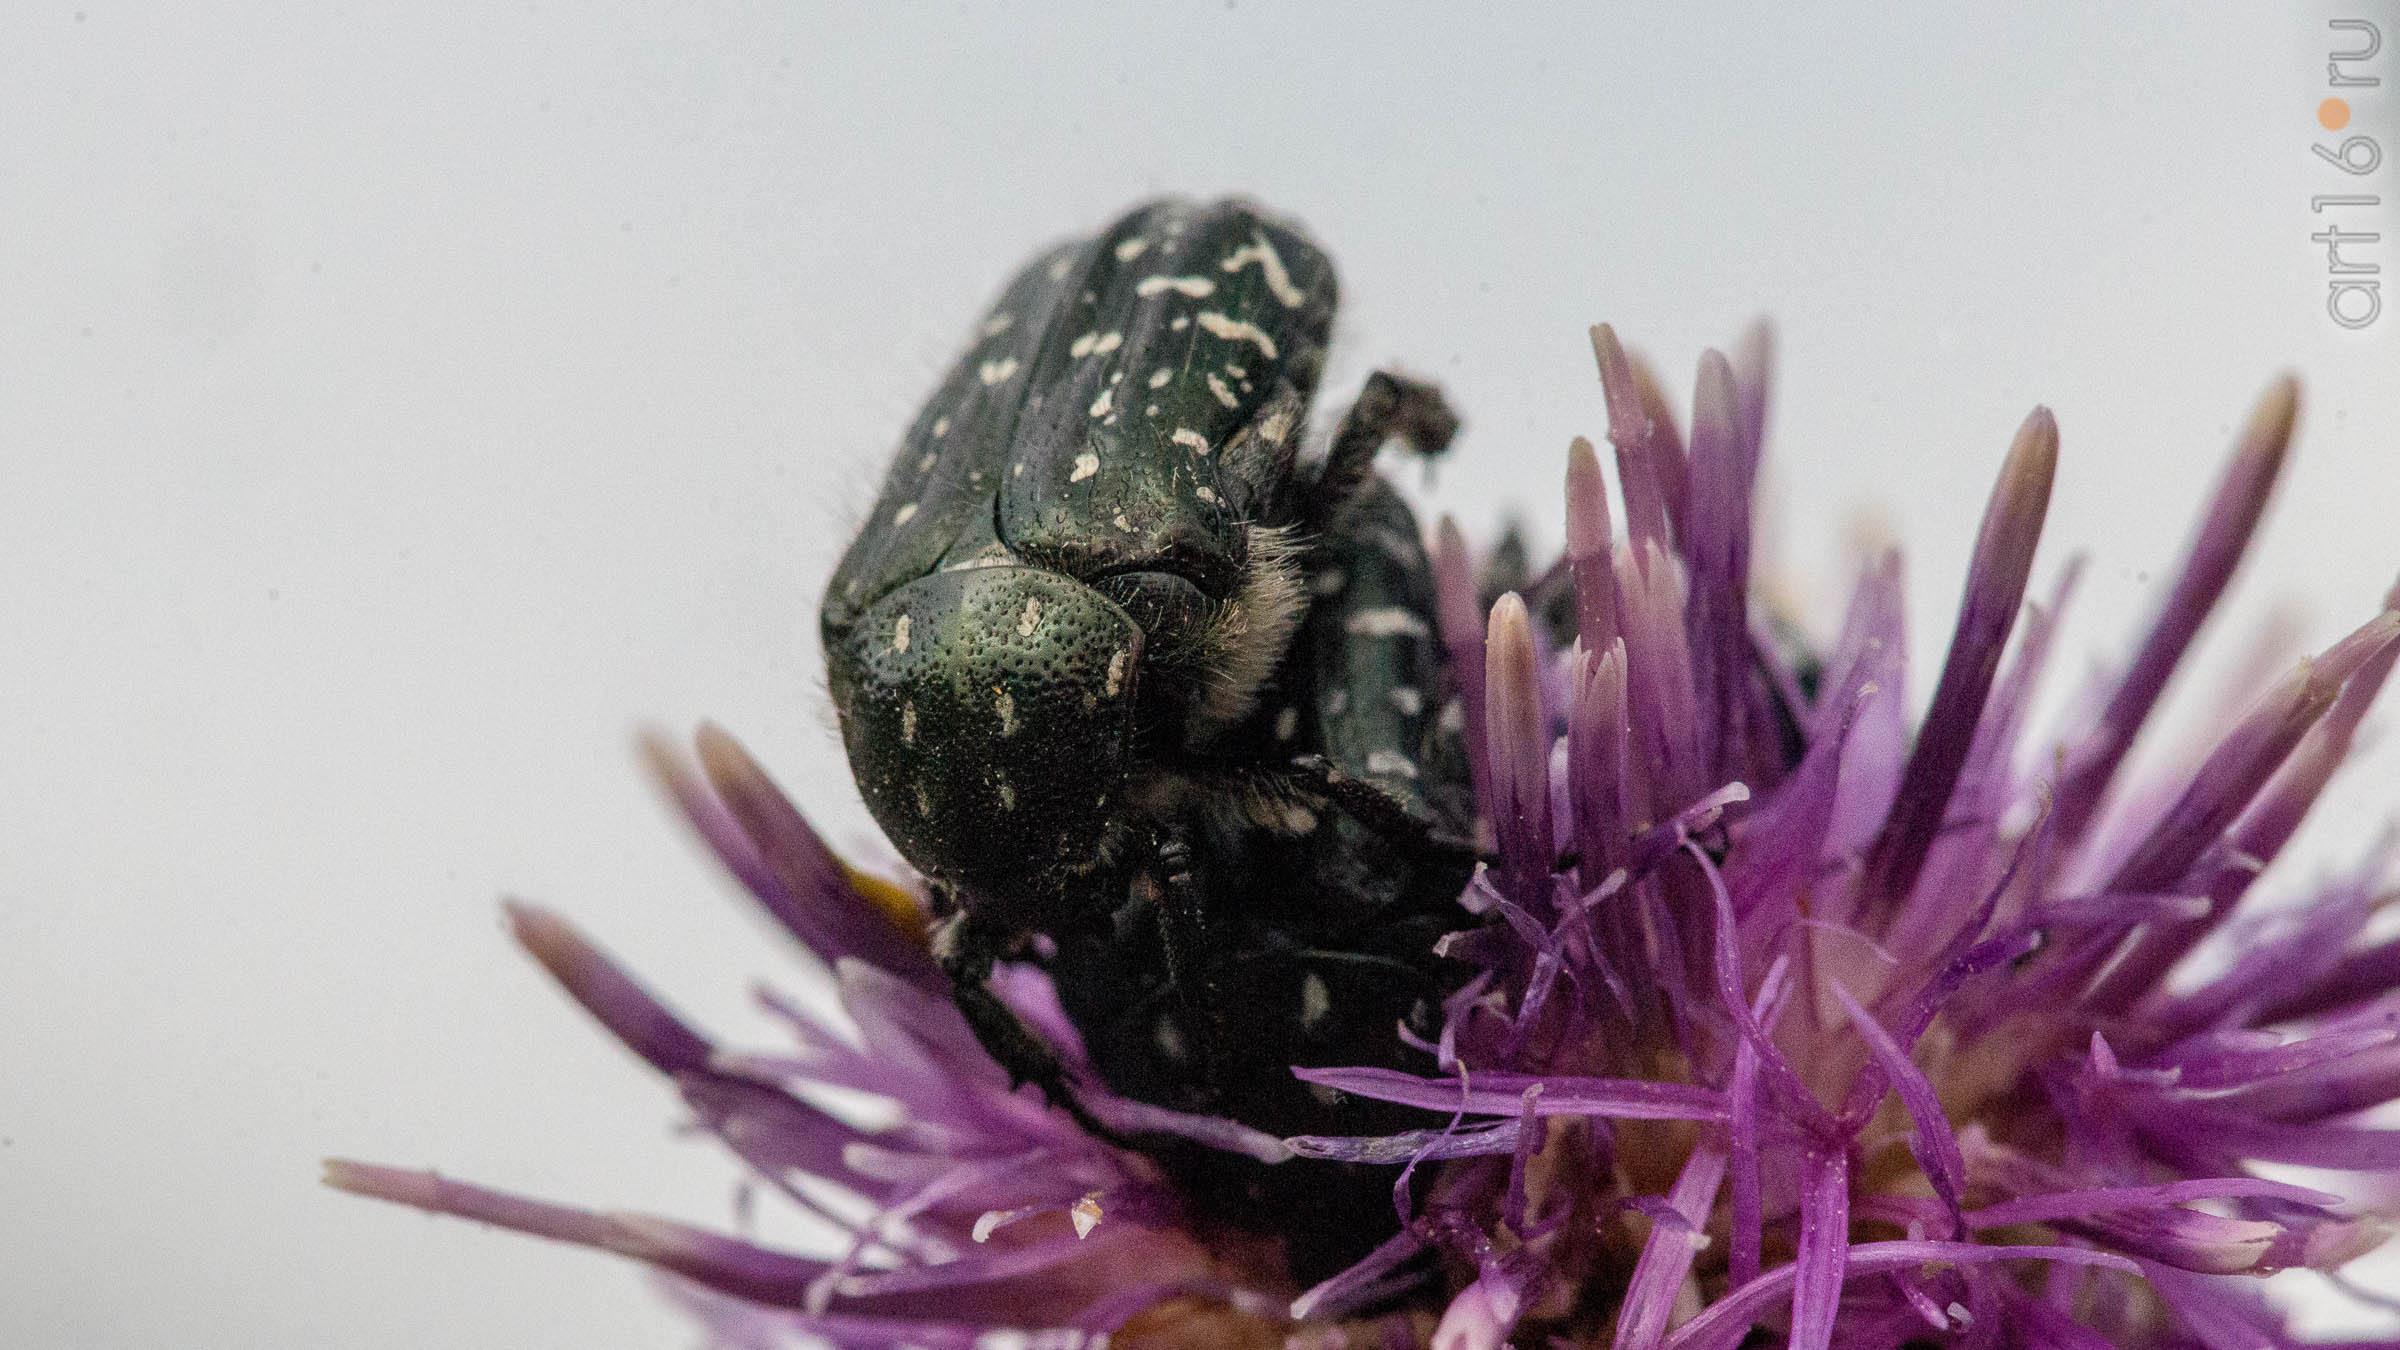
1379,810
968,951
1390,406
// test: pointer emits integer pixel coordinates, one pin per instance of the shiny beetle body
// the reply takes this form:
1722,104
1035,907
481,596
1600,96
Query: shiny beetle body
1153,699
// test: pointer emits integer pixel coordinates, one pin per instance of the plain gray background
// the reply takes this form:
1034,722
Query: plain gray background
397,410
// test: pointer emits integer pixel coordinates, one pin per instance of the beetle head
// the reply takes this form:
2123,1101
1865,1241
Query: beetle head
988,715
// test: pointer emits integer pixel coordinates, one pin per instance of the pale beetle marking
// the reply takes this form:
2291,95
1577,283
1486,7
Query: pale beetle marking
1270,263
905,514
1086,464
1131,249
1236,330
1390,762
908,722
1316,1001
941,428
1216,385
993,372
997,324
1160,376
1287,724
1031,618
1102,405
1190,440
1116,673
1198,288
1388,621
900,635
1007,708
1408,700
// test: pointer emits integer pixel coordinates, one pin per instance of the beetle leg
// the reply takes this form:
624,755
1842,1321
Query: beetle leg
968,951
1191,970
1378,810
1389,406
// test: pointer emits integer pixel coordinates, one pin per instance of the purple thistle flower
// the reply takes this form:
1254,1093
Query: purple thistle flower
1792,1022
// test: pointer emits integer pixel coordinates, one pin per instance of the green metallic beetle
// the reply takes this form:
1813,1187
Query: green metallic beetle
1148,695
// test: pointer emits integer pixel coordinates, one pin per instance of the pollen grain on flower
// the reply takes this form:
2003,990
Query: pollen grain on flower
1791,1020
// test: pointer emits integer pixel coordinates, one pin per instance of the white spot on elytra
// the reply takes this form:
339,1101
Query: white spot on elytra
1086,464
900,635
1237,330
1328,582
924,802
1316,1001
1169,1039
1131,249
1454,717
1007,708
1276,426
1279,281
1389,621
997,324
1179,323
905,514
1216,385
1196,287
1031,618
1204,494
1408,700
1160,376
993,372
941,427
1109,342
1082,346
1101,406
1122,523
1190,440
1008,796
1151,411
1058,269
1287,724
1390,762
925,461
1116,672
908,722
1337,702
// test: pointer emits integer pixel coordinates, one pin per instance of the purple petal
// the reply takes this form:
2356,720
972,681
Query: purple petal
1717,616
1930,1137
2233,514
1723,1324
1517,739
1501,1094
1634,434
1589,549
1667,1254
2012,526
813,895
1820,1262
